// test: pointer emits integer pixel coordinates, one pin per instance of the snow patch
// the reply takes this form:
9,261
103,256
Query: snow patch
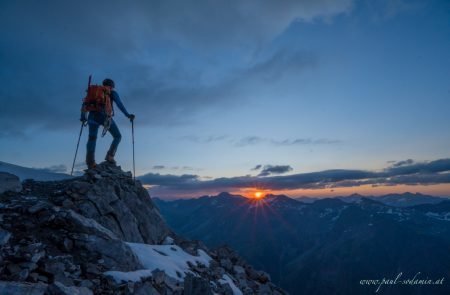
168,258
131,276
227,280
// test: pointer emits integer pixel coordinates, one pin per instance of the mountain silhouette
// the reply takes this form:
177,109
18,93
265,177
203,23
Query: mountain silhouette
324,247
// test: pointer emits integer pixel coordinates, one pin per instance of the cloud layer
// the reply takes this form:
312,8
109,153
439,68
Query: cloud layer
158,51
409,173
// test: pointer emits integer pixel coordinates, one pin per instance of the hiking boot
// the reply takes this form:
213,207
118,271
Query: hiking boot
110,159
92,165
90,160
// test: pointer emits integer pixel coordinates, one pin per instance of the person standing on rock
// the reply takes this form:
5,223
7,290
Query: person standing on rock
99,104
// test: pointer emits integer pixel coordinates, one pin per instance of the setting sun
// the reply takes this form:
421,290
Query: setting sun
258,195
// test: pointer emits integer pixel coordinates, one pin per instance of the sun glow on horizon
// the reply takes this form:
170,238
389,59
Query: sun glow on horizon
258,194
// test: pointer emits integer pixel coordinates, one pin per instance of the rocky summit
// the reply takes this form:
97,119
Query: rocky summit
101,234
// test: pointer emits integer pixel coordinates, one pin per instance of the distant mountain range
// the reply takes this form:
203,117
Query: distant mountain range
32,173
397,200
327,246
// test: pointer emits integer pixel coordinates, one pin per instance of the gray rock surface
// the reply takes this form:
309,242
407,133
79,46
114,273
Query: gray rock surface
9,182
63,237
22,288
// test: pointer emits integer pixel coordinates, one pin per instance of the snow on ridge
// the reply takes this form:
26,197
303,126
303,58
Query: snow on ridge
130,276
227,280
32,173
169,258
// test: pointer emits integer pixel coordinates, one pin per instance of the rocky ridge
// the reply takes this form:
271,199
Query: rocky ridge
70,236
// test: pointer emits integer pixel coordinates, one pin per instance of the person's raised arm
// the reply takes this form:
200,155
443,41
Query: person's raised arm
116,98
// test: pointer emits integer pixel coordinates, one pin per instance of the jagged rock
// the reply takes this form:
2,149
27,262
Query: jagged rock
34,276
22,275
13,269
116,254
87,225
252,274
68,244
239,271
37,256
173,284
263,277
58,288
123,206
87,284
9,182
227,264
4,237
28,265
219,272
159,276
43,279
22,288
196,286
70,234
168,241
68,204
146,289
226,289
38,207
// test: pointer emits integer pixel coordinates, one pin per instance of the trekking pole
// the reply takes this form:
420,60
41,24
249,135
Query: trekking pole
78,144
132,138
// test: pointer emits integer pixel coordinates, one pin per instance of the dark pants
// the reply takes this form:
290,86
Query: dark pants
93,131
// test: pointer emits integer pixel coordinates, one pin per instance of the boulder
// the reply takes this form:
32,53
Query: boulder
58,288
9,182
196,285
4,237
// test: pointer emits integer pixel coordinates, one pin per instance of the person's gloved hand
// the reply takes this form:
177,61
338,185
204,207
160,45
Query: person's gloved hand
131,117
83,118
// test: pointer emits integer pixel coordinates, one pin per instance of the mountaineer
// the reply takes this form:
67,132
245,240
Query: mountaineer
99,103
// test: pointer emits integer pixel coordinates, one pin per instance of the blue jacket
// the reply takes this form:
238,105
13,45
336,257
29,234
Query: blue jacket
100,117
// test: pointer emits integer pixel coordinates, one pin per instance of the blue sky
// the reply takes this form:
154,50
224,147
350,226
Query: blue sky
221,87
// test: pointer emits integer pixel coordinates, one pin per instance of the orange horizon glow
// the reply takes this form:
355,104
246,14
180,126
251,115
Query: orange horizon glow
252,192
440,190
366,190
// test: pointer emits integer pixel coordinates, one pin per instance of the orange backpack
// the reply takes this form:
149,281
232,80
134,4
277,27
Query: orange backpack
98,99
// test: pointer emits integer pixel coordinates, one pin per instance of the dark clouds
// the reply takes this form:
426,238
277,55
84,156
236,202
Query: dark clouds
254,140
157,52
441,165
168,180
275,169
423,173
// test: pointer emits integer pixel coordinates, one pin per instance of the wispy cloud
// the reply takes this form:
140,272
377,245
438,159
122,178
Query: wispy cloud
253,140
204,139
176,168
257,167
